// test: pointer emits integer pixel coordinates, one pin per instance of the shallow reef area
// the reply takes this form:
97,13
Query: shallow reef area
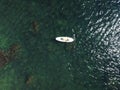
31,59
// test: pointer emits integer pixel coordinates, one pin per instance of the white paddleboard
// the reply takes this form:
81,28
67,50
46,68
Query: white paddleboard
64,39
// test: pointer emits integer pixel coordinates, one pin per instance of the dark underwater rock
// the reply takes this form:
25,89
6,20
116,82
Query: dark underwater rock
7,57
3,59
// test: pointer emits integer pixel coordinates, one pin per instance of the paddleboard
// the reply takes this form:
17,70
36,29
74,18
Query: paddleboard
64,39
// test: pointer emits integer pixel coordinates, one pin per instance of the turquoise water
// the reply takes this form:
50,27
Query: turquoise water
41,63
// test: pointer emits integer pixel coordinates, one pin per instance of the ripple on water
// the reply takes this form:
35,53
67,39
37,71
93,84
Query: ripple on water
99,39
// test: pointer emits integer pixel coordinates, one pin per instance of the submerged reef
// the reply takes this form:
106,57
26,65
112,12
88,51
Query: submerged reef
29,80
35,26
5,57
13,49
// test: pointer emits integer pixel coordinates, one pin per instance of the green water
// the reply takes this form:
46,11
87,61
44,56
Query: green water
92,62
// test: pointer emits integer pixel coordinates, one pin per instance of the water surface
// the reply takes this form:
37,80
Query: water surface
92,62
